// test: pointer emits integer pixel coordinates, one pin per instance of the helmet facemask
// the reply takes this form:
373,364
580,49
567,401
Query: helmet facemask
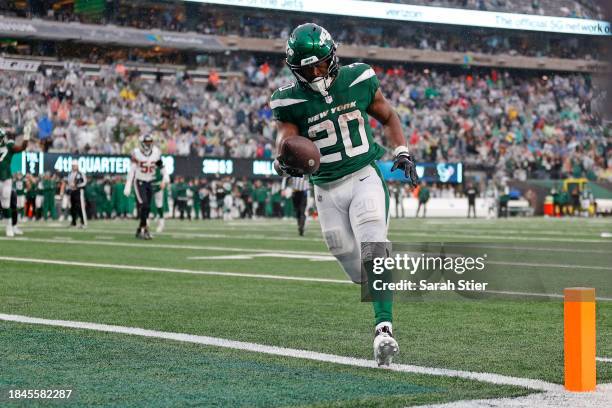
146,145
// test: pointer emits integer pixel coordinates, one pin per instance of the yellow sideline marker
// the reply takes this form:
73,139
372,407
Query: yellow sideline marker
579,335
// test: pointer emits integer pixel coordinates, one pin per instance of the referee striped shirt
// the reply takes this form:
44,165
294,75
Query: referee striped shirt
76,180
299,183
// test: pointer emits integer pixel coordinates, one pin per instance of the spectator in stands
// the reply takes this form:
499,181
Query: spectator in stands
525,125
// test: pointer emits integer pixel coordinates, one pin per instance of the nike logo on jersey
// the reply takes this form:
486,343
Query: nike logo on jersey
364,178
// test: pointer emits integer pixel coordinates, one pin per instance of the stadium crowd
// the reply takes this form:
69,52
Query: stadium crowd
210,19
524,125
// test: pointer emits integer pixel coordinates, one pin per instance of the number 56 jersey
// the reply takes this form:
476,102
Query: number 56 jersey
338,123
146,164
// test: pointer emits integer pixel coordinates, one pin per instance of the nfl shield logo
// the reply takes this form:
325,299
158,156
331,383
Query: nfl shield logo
329,99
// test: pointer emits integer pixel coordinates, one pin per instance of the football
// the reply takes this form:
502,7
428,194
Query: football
300,153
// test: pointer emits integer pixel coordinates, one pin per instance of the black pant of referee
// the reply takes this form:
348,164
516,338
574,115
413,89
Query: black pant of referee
144,196
77,206
299,205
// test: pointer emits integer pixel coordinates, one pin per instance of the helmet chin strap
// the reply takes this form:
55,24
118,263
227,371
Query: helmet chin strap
321,84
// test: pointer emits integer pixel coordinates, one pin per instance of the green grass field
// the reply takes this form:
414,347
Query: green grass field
103,275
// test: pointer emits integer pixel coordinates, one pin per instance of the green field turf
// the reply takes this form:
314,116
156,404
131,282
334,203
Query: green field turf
514,336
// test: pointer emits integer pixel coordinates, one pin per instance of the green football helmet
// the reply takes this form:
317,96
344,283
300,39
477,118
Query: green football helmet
308,46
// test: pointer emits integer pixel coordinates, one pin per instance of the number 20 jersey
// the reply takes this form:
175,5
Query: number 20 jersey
338,123
146,165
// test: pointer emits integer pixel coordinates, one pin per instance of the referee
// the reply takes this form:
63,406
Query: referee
76,185
300,186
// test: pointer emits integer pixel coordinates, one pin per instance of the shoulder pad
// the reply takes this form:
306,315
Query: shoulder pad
360,72
284,91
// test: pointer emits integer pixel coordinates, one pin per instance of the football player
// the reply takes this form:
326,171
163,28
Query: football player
7,150
160,181
146,159
19,185
331,106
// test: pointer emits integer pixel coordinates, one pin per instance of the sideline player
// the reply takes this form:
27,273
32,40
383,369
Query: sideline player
160,181
7,150
146,159
331,105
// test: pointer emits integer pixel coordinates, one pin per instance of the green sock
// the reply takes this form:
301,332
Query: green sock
7,214
383,311
382,301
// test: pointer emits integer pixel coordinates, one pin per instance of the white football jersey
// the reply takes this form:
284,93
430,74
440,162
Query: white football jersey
146,165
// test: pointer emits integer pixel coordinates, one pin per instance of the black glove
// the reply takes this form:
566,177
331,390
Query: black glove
284,170
404,161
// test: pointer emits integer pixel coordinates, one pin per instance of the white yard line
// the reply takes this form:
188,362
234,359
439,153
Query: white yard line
322,256
604,359
501,237
496,237
109,237
193,235
601,398
540,265
265,255
507,247
296,254
482,231
288,352
141,268
291,228
141,244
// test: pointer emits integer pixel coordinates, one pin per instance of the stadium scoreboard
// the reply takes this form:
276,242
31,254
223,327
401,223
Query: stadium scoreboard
37,163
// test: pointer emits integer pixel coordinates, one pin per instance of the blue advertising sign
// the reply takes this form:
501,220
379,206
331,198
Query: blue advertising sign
428,172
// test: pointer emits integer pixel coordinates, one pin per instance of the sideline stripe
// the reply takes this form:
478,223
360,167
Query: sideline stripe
288,352
140,268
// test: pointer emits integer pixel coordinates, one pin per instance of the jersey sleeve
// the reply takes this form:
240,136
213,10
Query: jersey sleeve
279,111
134,157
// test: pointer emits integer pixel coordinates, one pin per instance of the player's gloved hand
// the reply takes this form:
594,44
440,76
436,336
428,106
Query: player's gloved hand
127,191
283,170
404,161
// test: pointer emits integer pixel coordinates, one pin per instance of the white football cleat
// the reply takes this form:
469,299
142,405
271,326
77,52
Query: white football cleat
161,223
9,231
385,346
17,230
